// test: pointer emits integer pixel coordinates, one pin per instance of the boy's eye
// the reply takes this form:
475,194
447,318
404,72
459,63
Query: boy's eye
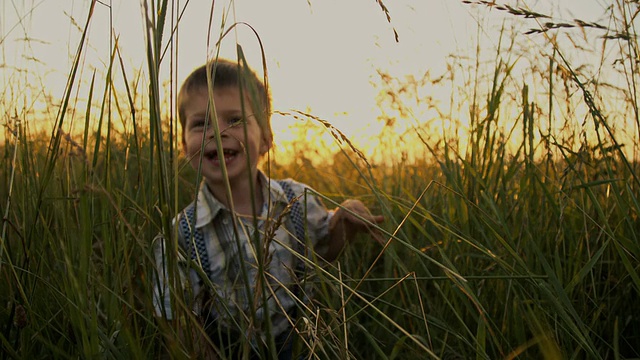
199,123
235,120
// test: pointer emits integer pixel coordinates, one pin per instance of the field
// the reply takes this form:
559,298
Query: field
511,232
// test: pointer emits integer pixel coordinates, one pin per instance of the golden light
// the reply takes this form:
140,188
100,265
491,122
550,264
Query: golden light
323,57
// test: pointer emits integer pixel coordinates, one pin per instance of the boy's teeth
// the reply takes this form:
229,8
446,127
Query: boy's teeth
227,154
214,154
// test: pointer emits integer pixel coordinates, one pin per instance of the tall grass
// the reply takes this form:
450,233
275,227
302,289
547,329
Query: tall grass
519,241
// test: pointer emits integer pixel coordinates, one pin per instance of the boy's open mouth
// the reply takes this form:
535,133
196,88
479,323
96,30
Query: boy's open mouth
228,155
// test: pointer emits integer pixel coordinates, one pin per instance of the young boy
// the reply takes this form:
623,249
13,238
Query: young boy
251,286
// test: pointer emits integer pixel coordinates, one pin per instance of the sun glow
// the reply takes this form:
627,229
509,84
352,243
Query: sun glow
338,61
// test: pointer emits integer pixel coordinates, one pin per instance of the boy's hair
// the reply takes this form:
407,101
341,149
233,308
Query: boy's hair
227,73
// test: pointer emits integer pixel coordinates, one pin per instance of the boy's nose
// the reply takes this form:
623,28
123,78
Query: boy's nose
211,131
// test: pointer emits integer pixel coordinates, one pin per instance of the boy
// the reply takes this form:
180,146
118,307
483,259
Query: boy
247,225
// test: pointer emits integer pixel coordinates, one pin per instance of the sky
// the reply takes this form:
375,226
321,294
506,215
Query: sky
322,56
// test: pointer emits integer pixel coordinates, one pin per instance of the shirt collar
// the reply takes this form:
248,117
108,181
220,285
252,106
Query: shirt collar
209,207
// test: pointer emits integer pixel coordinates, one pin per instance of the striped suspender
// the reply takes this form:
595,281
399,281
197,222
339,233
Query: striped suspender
297,217
188,228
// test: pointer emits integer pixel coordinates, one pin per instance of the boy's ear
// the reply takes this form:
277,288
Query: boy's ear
184,145
266,144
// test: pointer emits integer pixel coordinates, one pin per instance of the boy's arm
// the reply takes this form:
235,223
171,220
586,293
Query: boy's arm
193,338
344,226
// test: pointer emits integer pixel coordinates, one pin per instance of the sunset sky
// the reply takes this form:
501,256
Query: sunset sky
322,56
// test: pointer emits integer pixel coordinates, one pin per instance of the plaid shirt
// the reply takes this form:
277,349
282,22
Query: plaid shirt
232,297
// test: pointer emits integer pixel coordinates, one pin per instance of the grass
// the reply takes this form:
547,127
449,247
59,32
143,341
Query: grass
520,242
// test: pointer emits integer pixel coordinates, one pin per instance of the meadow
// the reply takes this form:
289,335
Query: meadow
511,229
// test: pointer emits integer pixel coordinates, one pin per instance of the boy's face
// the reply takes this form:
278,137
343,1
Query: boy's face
235,146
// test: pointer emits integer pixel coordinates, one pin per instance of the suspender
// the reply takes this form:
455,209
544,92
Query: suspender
297,217
187,228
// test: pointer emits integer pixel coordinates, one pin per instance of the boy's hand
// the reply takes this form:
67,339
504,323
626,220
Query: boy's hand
344,225
356,223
